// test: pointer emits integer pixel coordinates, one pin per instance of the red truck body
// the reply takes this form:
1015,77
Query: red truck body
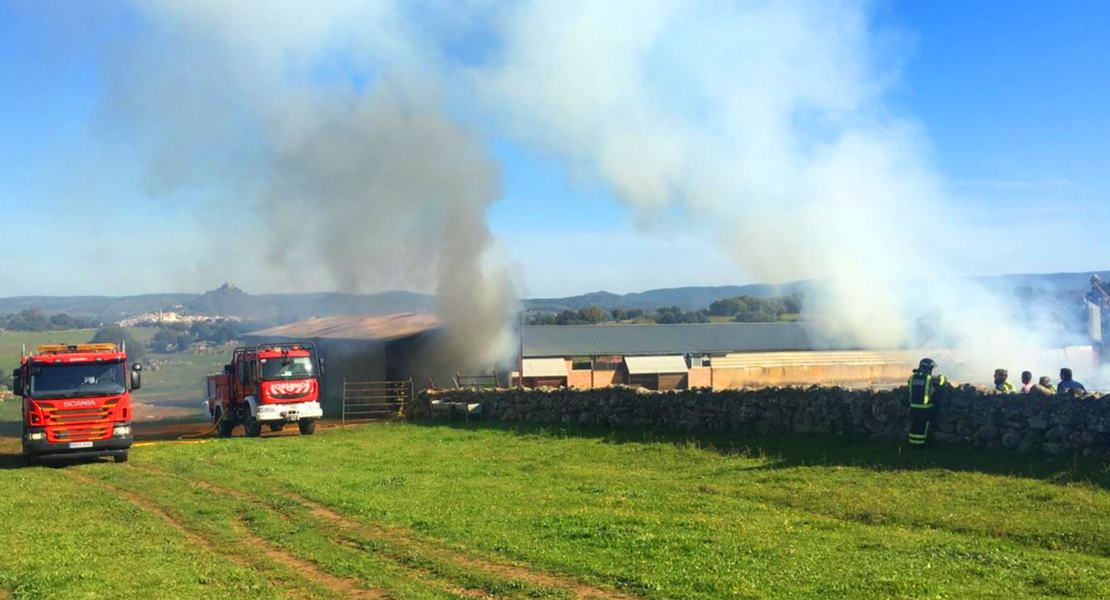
269,384
76,402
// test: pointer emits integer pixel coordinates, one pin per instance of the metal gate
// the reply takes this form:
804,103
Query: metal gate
367,400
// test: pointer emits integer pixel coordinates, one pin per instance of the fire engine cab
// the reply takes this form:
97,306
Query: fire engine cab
76,401
269,384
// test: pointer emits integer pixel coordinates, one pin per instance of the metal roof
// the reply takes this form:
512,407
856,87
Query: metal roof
379,328
545,367
702,338
650,365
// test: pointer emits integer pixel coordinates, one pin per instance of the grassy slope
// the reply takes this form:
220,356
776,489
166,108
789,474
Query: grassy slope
11,343
183,380
657,517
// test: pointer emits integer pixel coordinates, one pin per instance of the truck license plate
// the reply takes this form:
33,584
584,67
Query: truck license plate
80,444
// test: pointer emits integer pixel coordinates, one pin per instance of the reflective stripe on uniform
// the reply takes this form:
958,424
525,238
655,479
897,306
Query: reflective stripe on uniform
920,438
928,395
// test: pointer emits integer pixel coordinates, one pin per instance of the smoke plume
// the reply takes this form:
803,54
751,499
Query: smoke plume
356,180
770,123
350,132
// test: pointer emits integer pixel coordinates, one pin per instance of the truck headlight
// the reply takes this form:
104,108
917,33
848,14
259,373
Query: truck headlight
36,436
121,430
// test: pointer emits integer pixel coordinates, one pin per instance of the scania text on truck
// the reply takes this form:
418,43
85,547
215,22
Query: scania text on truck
76,401
269,384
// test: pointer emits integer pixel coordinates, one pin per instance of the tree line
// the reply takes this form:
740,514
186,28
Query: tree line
590,315
33,319
743,309
176,337
750,309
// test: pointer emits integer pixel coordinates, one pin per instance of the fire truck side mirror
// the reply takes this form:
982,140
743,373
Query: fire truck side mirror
229,370
136,376
17,383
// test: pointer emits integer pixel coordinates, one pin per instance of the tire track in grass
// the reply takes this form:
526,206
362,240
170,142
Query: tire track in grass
309,571
579,589
423,575
404,539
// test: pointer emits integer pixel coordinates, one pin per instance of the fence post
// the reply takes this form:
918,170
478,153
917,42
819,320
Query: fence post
343,416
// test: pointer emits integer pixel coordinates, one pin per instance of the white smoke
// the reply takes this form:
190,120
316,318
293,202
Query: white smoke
769,123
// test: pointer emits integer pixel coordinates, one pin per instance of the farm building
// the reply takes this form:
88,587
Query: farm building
714,355
734,355
379,348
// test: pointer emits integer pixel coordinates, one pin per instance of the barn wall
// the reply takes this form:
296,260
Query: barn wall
700,377
606,377
424,358
579,378
803,374
352,360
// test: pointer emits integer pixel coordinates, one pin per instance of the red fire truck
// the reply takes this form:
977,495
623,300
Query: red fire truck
76,401
269,384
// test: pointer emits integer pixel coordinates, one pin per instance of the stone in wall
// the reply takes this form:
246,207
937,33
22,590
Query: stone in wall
1022,423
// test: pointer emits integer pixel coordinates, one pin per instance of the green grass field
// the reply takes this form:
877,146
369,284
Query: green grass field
436,511
12,342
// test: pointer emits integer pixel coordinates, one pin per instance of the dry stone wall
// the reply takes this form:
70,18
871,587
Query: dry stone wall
1020,423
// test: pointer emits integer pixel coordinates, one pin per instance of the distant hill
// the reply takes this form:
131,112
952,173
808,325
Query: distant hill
231,301
1050,281
686,298
694,298
98,306
227,300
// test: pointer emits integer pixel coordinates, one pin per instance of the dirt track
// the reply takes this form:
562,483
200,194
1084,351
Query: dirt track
175,429
400,547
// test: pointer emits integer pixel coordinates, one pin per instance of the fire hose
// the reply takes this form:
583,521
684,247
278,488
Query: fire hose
189,438
215,427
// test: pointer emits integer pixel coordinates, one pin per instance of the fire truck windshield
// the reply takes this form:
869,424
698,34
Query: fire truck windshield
286,367
72,380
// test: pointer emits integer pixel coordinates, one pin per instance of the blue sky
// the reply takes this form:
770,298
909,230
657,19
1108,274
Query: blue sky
1012,97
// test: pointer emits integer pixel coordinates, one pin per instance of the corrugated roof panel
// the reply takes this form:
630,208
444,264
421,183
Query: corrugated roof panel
381,327
647,365
704,338
545,367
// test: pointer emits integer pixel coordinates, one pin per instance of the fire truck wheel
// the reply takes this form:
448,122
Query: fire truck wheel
308,427
120,458
254,428
225,427
277,426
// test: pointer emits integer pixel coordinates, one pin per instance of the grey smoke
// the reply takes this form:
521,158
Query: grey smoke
338,185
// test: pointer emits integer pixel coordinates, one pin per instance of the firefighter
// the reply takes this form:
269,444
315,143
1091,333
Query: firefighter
925,390
1002,381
